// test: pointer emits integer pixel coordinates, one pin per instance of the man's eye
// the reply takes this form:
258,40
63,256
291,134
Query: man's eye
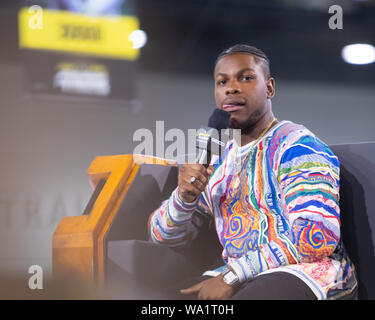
247,78
221,82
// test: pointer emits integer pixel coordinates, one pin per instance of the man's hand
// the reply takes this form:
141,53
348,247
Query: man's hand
211,289
189,191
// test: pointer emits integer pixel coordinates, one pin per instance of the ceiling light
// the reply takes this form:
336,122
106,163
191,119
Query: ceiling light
139,38
359,53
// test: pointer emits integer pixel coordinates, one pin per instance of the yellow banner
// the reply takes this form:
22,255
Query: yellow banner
70,32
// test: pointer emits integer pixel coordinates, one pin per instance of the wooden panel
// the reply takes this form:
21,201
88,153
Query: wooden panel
78,242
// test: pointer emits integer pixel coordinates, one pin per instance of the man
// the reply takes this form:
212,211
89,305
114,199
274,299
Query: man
274,199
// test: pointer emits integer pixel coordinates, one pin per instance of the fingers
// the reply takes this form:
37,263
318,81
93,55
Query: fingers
197,171
193,289
189,190
211,289
200,180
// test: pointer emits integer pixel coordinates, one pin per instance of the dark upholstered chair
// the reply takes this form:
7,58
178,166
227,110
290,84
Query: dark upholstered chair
357,204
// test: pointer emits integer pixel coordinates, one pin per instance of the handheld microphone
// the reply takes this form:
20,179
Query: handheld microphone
208,140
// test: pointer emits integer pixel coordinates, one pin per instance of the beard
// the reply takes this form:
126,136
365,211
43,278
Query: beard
247,125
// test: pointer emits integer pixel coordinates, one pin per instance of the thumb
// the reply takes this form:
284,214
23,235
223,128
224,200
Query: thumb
210,170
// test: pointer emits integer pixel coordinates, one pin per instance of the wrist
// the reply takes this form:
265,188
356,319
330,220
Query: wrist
191,201
230,277
239,270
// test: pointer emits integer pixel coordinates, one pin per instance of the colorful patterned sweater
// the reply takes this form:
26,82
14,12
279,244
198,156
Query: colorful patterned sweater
281,213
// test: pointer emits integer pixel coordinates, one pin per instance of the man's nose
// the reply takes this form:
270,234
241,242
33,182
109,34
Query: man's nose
232,88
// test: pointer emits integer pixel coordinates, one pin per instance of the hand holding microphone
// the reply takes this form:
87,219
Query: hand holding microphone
193,178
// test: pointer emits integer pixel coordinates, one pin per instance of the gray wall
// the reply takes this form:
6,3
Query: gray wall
47,145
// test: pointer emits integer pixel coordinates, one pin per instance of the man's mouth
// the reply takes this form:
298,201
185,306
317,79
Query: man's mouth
231,107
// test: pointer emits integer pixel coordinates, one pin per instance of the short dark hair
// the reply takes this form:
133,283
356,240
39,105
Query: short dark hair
259,56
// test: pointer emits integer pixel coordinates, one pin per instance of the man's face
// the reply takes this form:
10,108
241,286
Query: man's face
242,89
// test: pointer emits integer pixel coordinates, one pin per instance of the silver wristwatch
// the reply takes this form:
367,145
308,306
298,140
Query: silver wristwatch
230,277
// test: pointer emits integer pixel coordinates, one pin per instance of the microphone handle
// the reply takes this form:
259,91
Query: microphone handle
205,158
208,159
208,154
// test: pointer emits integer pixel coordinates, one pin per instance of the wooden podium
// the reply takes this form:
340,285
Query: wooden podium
78,244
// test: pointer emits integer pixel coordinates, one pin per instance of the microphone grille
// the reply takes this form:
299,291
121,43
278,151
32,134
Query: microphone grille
219,119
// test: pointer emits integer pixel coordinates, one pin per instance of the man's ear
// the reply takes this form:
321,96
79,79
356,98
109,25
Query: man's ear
270,84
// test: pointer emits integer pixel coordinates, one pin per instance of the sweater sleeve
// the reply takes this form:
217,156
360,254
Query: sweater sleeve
176,223
308,175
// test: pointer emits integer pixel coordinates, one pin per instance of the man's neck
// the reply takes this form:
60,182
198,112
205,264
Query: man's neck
258,128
